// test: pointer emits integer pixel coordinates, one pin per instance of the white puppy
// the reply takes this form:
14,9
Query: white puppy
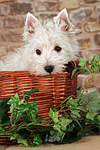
48,46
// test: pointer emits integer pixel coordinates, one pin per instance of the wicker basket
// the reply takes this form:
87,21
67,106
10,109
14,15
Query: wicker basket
53,89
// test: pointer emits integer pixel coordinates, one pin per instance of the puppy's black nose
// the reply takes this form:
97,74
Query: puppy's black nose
49,69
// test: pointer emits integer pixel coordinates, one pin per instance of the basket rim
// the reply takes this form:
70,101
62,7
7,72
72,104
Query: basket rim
4,73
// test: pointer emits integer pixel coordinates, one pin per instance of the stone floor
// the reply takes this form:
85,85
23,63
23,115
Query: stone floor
86,143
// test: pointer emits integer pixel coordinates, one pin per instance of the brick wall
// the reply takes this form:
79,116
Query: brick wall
85,14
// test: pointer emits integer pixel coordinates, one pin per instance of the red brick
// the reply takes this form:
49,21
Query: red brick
4,9
12,35
97,39
46,16
20,8
14,22
69,4
92,26
91,1
46,5
84,42
81,14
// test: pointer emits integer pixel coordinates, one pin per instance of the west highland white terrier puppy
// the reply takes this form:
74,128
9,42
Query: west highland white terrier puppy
49,46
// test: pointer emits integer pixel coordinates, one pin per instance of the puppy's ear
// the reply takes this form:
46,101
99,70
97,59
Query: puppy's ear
31,23
62,19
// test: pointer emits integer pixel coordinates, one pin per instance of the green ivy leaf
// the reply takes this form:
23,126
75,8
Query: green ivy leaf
21,140
75,114
73,72
17,97
35,104
64,123
73,107
83,70
17,115
98,117
73,102
98,57
91,115
54,136
21,102
13,102
57,127
83,62
93,61
37,138
71,127
81,108
40,119
61,133
54,115
12,138
95,69
50,113
91,101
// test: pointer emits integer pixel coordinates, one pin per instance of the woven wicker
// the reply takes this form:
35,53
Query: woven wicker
53,89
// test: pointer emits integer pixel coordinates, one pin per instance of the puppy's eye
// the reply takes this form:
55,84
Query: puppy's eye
58,48
38,52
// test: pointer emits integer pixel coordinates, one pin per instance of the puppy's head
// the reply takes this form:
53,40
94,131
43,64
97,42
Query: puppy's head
51,45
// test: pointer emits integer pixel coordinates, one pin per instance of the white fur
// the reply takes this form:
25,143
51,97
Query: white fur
58,32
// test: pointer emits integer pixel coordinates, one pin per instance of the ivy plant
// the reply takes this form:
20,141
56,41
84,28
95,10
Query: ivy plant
85,66
73,118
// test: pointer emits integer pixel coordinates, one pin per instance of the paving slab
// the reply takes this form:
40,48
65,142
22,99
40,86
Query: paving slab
86,143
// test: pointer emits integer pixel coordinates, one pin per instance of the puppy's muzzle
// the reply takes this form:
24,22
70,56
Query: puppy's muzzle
49,69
